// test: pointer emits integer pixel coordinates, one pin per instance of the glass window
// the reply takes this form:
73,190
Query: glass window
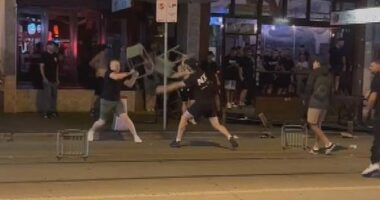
297,9
272,7
320,10
29,47
220,6
246,7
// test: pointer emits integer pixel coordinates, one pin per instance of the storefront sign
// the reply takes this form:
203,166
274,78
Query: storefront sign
357,16
120,5
166,11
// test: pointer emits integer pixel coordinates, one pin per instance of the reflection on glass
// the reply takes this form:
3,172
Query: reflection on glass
29,48
297,9
281,37
240,26
246,7
320,10
220,6
272,7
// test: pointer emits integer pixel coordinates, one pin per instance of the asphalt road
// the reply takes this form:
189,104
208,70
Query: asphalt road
205,168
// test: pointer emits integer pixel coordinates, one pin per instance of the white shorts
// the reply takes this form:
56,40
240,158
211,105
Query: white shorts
230,84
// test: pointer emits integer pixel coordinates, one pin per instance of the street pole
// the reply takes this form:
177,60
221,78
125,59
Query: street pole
165,75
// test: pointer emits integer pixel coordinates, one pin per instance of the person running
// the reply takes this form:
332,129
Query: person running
318,91
373,103
110,101
186,93
204,95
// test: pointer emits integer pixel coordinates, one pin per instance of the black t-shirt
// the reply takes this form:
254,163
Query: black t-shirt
230,68
210,68
375,87
51,66
204,88
246,64
111,88
336,57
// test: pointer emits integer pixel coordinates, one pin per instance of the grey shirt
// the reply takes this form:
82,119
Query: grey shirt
318,89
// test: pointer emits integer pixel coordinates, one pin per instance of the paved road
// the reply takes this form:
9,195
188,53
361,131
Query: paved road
205,168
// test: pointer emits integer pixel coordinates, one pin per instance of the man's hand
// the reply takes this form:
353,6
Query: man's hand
160,89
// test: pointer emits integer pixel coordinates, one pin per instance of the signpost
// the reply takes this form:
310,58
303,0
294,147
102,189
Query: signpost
166,12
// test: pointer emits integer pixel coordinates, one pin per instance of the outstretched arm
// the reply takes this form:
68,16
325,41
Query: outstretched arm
171,87
180,74
120,75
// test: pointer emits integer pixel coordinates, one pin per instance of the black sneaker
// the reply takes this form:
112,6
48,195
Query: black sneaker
330,148
54,114
233,142
46,116
175,144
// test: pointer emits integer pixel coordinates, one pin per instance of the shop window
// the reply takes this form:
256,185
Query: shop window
320,10
272,7
220,7
297,9
246,8
29,46
282,37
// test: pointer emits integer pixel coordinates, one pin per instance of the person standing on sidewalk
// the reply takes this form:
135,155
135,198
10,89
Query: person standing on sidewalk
318,93
204,93
50,77
110,101
373,103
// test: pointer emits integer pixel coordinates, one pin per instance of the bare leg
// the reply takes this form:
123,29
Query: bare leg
131,127
243,95
222,129
337,79
182,125
319,134
95,127
184,107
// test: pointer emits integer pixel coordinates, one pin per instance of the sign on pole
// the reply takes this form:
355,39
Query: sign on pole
166,11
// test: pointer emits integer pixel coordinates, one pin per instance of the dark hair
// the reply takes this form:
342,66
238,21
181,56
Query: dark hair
193,63
52,43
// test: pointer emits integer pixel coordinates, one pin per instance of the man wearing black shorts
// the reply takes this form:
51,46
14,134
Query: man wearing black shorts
204,95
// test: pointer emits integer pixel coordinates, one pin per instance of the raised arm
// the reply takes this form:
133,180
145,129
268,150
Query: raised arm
171,87
120,75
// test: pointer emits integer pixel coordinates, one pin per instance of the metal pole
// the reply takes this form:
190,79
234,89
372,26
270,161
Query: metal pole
165,75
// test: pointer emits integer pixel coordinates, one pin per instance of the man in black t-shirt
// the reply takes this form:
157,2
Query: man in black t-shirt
337,62
373,103
204,95
110,101
49,73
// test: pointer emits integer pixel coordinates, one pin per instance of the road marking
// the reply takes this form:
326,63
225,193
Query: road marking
201,193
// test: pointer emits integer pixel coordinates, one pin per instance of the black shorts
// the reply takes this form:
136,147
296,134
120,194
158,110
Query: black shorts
203,109
99,86
186,94
336,70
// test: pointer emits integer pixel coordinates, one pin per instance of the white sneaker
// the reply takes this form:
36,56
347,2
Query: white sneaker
371,169
229,105
137,139
90,135
192,120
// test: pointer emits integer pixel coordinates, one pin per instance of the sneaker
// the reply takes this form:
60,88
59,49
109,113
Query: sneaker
234,105
371,169
314,151
229,105
233,142
175,144
192,121
90,135
137,139
53,114
330,148
46,116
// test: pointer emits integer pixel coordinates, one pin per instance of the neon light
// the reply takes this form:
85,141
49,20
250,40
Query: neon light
32,28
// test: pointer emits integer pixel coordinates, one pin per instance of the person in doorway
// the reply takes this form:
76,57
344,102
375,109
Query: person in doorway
246,64
99,63
110,102
373,103
231,76
337,62
204,94
318,93
50,77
